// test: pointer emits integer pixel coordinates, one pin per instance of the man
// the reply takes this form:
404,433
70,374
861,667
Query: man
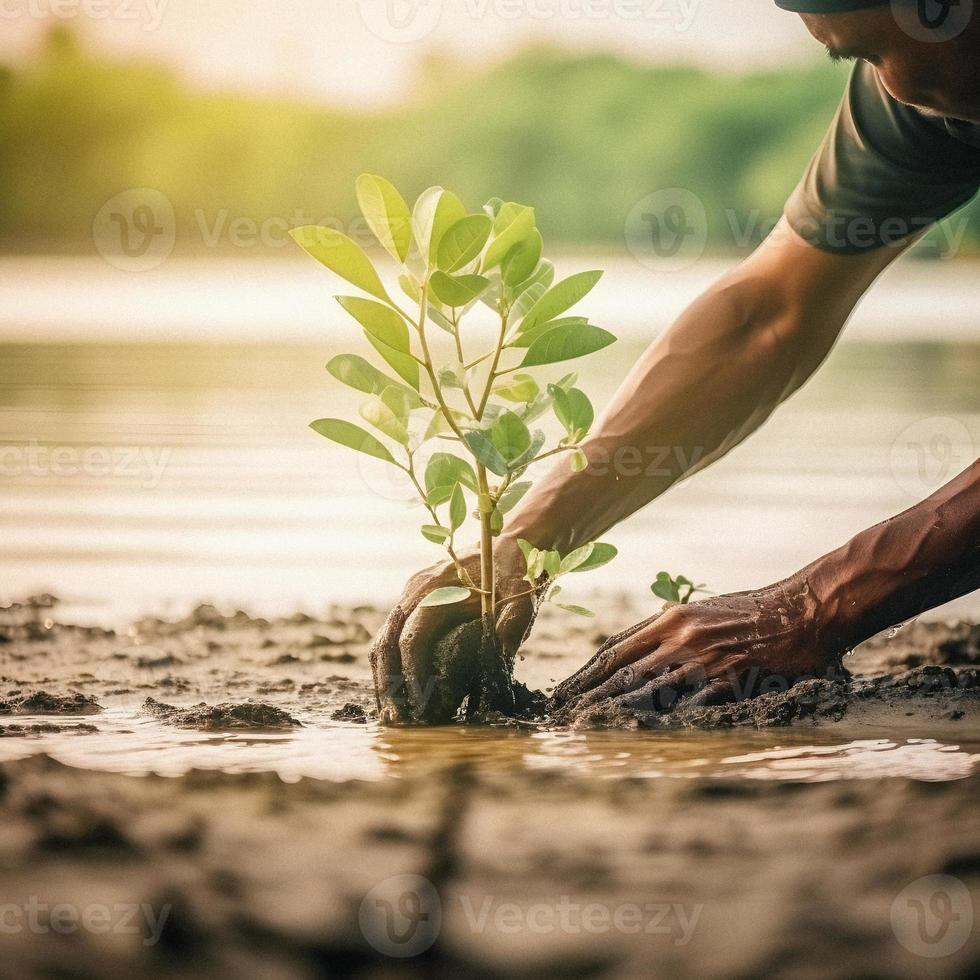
902,152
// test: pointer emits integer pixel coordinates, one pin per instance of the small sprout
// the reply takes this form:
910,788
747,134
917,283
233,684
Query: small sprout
675,591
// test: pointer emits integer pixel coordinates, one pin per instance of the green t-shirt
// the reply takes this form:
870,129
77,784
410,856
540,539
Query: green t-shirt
884,171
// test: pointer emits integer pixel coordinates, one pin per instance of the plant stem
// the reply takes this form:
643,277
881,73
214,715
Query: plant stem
493,365
427,364
488,596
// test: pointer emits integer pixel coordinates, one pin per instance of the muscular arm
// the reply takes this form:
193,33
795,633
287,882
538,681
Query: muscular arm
731,358
923,557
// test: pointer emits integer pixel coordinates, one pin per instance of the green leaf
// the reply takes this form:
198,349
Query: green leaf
532,289
522,388
524,338
578,610
521,261
352,436
537,441
463,241
573,409
386,213
493,206
438,424
396,398
513,223
457,291
442,473
535,565
448,378
410,287
511,497
435,212
387,333
510,436
486,452
457,508
565,343
578,461
552,562
354,371
602,554
342,255
436,533
496,520
666,588
575,558
445,596
384,419
560,297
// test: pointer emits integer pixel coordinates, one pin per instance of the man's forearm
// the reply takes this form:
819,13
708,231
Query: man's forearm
713,378
920,559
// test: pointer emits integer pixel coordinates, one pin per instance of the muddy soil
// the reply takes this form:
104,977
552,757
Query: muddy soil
509,873
462,874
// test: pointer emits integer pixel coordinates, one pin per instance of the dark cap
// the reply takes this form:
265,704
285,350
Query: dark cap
827,6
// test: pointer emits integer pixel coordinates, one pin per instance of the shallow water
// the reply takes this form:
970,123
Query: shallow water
128,743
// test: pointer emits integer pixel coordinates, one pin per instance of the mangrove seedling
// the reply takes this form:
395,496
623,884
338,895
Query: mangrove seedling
675,591
459,422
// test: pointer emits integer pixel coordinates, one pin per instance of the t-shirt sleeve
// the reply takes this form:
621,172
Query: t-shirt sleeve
883,172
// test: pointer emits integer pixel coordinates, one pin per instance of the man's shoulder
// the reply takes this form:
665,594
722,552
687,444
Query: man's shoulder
912,138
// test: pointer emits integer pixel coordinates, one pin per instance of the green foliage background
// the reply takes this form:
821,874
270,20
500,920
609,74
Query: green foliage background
580,137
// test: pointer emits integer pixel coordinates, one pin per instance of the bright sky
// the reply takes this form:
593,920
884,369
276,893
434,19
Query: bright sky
362,51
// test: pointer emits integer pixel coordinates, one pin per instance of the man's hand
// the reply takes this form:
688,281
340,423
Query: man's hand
426,659
716,650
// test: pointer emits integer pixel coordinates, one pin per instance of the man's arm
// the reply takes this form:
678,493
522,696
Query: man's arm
713,378
723,647
920,559
738,351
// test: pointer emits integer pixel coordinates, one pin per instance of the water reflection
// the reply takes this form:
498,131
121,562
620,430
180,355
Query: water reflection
128,743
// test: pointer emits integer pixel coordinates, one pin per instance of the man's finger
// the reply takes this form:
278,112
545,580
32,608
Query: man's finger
613,655
422,631
386,667
631,677
661,693
719,691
